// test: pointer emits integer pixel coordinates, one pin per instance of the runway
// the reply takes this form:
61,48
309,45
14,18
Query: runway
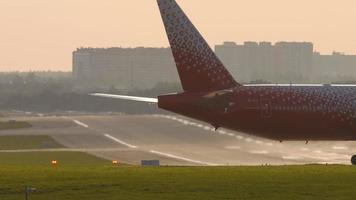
175,140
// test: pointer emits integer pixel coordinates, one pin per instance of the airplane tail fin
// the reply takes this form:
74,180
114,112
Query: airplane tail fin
199,68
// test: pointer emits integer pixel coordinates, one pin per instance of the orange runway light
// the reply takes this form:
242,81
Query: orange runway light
115,162
54,162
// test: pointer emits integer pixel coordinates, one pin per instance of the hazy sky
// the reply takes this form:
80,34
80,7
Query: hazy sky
41,34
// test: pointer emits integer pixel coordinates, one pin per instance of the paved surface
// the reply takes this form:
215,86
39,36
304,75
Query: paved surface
175,140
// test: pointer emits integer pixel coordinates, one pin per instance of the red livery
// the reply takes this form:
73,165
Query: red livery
276,111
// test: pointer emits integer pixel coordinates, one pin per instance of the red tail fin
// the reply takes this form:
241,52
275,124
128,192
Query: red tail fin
198,67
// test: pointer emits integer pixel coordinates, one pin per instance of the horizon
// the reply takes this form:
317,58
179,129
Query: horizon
140,46
41,35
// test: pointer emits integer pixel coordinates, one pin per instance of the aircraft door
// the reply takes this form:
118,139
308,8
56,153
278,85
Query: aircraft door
266,108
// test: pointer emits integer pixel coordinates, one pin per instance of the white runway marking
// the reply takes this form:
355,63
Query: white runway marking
120,141
339,148
80,123
182,158
291,157
258,142
249,140
61,150
239,137
259,152
318,151
221,132
320,155
232,147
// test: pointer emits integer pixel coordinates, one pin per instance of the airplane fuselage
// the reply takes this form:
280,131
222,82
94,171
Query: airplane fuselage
275,112
211,94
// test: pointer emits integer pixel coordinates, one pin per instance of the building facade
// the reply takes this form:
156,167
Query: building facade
282,62
286,62
336,67
124,68
264,61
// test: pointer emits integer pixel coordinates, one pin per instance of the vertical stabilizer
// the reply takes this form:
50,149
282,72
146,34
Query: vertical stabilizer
198,67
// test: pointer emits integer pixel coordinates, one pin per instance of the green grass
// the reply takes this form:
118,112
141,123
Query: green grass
80,176
27,142
100,180
14,125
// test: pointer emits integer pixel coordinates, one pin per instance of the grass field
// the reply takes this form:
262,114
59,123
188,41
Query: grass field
79,176
13,125
27,142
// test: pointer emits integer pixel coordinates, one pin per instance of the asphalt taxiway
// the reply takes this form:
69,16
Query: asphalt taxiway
175,140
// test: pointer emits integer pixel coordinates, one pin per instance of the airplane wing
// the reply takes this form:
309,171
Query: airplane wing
123,97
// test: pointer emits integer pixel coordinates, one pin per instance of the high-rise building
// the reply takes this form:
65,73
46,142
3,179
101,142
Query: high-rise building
143,68
336,67
284,61
124,68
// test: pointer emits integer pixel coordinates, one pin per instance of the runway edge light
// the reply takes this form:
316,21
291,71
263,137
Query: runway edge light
54,162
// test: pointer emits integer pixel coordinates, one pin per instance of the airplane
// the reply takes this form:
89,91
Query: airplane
282,112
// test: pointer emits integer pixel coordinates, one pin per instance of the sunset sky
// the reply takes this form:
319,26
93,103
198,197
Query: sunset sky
41,34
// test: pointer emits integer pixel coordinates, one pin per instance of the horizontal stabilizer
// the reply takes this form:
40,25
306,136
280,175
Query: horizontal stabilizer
130,98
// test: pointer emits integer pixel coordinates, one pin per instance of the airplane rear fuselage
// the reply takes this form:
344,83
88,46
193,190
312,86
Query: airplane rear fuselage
275,112
211,94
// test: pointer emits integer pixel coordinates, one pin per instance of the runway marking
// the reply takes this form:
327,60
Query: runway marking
291,157
62,150
120,141
339,148
239,137
182,158
323,156
259,152
80,123
258,142
221,132
232,147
